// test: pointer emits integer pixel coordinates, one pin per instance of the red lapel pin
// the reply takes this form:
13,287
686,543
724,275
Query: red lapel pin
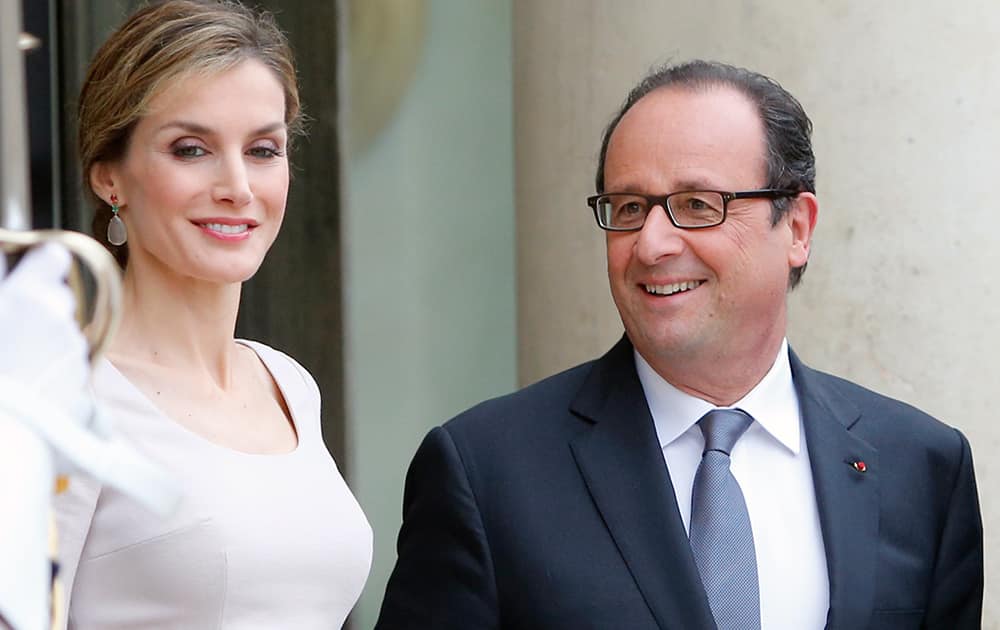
859,466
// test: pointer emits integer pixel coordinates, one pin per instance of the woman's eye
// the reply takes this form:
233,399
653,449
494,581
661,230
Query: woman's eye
189,151
264,152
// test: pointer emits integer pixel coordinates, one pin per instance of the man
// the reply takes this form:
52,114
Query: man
698,475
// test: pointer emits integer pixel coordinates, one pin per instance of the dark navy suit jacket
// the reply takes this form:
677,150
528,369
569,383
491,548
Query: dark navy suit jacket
552,508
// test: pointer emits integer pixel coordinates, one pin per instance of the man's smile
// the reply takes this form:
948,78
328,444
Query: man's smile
671,289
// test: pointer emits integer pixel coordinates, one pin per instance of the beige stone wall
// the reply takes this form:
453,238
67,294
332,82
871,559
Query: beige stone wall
428,251
904,97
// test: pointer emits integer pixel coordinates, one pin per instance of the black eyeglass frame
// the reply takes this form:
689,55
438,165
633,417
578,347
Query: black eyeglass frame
663,201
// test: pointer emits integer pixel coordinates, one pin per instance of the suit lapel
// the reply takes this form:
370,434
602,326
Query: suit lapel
848,499
621,463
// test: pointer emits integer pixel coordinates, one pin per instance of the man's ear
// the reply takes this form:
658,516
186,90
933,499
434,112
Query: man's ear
801,218
104,181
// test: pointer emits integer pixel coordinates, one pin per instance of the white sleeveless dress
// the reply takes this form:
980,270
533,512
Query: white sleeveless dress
258,542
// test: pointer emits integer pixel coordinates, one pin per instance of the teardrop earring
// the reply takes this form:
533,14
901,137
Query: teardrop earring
117,235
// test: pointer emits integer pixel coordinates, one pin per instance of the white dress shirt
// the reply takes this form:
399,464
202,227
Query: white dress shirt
771,464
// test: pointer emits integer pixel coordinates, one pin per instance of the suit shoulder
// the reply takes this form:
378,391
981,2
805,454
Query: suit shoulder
884,415
547,398
868,399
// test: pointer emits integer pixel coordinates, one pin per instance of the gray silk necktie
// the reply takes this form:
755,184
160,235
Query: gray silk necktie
721,537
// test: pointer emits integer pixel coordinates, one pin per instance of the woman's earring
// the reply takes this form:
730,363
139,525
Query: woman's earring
116,227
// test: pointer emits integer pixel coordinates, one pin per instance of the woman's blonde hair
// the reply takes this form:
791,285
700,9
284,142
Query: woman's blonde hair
157,45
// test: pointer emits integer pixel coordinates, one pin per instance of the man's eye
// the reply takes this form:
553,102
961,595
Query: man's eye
189,151
698,204
629,206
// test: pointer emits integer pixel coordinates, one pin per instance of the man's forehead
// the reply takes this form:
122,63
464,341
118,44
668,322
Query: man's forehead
717,103
711,113
714,121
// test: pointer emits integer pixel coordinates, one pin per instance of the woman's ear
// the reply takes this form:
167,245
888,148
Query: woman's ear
104,182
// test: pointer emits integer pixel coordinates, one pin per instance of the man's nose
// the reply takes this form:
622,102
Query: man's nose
659,237
233,183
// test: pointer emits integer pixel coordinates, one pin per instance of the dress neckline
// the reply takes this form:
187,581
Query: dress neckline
274,374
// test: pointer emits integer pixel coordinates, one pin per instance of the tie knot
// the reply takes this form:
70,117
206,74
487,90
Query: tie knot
722,427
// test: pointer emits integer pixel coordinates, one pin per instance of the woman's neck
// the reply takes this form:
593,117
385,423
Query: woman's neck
176,322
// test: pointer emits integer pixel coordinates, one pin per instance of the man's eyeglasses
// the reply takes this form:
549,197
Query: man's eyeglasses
688,209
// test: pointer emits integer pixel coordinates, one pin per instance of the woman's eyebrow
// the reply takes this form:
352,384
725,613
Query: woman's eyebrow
186,126
202,130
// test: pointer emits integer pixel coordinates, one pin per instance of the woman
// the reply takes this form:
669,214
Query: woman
186,115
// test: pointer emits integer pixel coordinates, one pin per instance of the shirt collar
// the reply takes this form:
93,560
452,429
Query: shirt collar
773,403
